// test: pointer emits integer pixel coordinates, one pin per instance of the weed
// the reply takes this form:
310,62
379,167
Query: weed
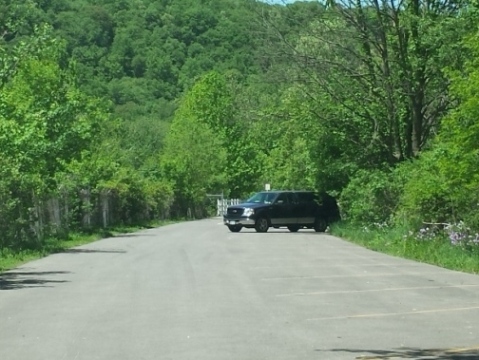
450,246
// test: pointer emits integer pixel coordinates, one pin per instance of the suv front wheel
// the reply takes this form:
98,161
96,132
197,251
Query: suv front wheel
235,228
261,224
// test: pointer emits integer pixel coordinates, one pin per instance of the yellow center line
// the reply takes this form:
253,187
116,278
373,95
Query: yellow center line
395,314
375,290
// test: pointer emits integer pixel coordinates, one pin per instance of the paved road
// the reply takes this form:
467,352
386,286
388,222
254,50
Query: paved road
195,291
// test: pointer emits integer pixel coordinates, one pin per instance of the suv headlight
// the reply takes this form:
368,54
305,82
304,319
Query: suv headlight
248,212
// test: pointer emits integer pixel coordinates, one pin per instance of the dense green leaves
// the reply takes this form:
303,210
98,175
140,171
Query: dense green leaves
444,185
125,111
195,153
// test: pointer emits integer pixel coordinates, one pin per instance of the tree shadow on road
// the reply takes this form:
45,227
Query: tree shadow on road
466,353
92,251
15,280
281,231
132,235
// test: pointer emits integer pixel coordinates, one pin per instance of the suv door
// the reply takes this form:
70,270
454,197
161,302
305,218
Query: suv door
295,209
307,208
282,212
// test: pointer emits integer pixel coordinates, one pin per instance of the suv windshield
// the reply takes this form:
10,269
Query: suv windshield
262,198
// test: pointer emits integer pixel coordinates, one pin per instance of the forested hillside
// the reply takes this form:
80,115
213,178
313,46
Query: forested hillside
124,111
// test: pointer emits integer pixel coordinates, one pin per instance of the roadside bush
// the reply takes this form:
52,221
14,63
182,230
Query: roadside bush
433,193
371,196
424,196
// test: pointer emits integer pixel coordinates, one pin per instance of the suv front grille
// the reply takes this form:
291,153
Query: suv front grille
235,211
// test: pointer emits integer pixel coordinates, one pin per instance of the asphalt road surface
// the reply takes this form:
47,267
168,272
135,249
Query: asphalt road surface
196,291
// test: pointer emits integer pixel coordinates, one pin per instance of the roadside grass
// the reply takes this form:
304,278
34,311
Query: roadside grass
10,259
397,241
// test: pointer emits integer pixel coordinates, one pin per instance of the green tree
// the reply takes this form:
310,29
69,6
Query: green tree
381,65
444,181
45,124
194,156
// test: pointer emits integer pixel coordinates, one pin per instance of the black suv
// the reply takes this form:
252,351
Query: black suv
291,209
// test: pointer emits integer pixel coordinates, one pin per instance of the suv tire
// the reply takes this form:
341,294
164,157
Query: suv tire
235,228
320,224
261,224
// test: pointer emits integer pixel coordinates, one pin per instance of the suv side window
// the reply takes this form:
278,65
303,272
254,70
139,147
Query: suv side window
282,198
316,198
305,197
293,198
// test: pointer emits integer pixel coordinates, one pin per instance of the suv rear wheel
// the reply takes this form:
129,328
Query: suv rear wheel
261,224
293,228
320,224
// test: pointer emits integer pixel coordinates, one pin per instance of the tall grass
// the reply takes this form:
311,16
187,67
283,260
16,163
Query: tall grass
427,245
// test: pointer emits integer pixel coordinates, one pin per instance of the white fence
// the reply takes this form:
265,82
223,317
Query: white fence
222,205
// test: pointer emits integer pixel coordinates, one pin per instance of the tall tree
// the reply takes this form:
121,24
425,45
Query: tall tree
442,185
194,156
381,64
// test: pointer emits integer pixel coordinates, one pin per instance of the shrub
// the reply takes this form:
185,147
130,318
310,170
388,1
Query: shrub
371,196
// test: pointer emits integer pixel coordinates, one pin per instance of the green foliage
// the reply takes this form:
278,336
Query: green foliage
44,121
399,241
425,195
371,196
291,157
382,73
120,112
443,185
166,45
194,154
